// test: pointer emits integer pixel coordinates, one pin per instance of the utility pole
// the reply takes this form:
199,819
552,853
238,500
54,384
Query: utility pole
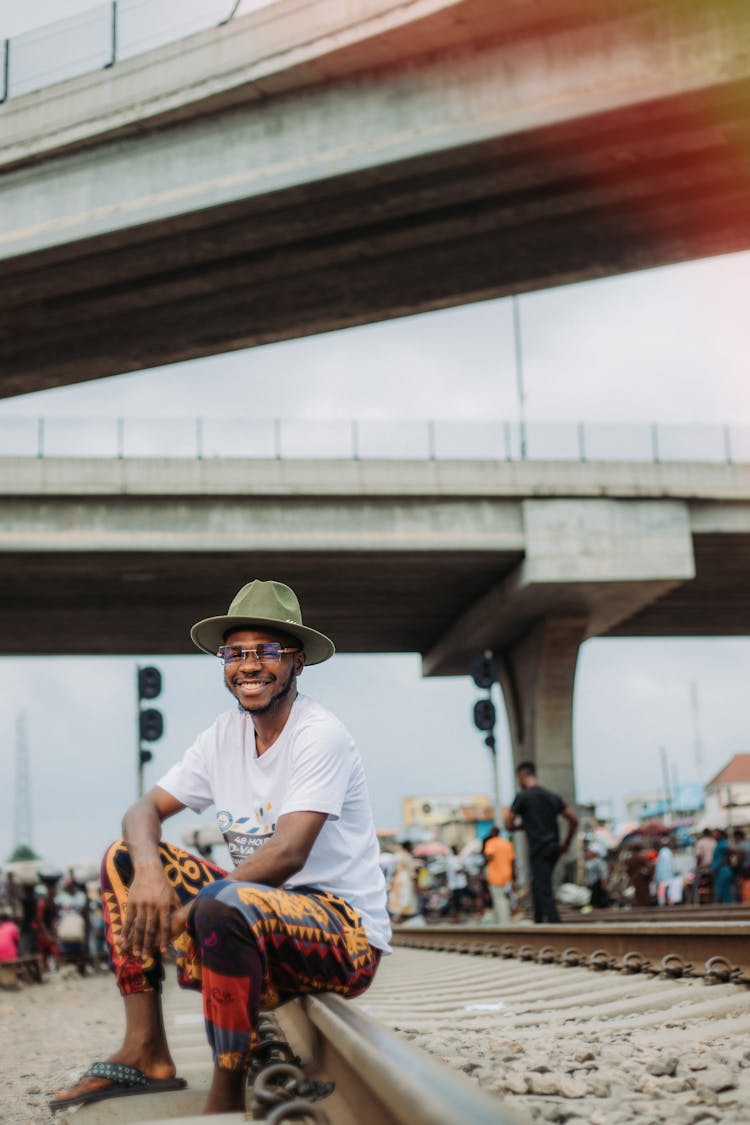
697,740
665,776
22,811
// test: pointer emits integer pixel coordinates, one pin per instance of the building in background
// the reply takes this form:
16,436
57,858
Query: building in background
454,819
727,803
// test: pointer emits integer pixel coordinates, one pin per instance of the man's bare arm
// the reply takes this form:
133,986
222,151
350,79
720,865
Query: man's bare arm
285,853
572,820
275,861
151,900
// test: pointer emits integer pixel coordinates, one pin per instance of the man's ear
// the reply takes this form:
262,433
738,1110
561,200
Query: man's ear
299,662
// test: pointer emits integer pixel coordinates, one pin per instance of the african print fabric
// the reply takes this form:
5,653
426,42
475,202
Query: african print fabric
248,947
187,874
261,946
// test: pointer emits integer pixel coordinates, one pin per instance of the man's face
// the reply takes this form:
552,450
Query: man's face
261,687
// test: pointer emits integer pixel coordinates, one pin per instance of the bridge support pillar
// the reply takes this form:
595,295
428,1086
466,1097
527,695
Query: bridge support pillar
536,677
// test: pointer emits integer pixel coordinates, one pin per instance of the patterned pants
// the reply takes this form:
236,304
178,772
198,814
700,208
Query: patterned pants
248,947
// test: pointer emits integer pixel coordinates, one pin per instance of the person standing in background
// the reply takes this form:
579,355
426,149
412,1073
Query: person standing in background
536,810
499,873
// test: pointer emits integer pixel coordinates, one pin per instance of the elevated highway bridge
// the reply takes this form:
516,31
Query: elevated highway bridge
315,165
443,558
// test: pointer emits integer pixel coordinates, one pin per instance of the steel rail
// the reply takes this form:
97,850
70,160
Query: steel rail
715,951
713,912
379,1078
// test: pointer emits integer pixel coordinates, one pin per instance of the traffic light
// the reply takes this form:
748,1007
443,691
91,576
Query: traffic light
149,683
151,724
484,714
150,719
483,671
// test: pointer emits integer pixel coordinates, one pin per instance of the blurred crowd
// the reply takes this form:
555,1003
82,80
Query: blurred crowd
55,916
713,867
433,882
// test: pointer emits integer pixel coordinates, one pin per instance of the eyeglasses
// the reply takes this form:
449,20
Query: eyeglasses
270,653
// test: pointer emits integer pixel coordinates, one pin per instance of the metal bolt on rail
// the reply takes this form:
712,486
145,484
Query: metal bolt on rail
634,962
721,971
298,1110
672,965
284,1083
600,959
572,956
275,1080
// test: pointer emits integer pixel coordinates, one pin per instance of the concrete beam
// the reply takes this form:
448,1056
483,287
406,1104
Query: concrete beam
434,153
719,494
601,561
376,119
126,524
440,558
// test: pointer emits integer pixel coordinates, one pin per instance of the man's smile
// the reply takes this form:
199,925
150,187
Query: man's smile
252,687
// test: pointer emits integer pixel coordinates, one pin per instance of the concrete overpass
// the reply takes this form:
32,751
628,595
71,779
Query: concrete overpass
316,164
443,558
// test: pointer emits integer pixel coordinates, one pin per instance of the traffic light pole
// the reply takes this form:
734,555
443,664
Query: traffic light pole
491,744
484,673
149,721
138,743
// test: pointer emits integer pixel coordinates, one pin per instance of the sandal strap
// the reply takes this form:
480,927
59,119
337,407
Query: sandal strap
128,1076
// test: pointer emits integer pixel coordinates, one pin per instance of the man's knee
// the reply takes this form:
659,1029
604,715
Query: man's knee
212,920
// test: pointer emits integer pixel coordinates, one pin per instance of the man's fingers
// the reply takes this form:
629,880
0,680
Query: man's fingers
165,929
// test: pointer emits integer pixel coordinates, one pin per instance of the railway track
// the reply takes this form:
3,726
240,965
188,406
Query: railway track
718,951
576,1041
682,913
309,1045
444,1037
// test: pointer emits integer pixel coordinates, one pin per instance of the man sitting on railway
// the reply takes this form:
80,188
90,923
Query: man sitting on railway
304,909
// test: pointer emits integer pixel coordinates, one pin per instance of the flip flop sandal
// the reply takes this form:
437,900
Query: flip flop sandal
126,1082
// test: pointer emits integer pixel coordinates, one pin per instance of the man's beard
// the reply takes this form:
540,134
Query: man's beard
275,699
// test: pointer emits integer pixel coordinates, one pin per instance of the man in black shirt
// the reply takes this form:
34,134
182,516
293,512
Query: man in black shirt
536,809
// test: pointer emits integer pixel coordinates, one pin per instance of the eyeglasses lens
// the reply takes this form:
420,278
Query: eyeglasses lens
265,653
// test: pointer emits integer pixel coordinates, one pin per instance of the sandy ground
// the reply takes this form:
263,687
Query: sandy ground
51,1033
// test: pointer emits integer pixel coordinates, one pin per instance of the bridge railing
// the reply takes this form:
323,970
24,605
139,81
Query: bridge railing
103,35
370,439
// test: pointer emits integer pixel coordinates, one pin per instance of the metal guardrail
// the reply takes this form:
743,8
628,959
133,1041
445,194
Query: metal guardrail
101,36
285,439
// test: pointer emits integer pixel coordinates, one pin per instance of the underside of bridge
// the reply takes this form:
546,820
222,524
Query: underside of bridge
84,603
651,181
447,151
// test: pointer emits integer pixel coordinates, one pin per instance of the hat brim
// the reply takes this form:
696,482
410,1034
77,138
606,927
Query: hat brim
208,635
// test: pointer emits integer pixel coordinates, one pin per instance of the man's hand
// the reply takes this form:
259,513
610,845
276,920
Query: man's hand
179,919
148,920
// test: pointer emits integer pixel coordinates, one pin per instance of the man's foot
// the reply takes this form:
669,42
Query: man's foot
117,1078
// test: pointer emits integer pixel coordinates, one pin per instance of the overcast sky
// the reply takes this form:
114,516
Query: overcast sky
667,345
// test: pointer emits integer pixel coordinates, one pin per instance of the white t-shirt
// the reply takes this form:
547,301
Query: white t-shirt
314,766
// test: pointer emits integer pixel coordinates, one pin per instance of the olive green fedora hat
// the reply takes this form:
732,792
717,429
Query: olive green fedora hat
264,605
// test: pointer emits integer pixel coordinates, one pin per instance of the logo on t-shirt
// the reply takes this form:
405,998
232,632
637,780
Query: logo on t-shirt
245,834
